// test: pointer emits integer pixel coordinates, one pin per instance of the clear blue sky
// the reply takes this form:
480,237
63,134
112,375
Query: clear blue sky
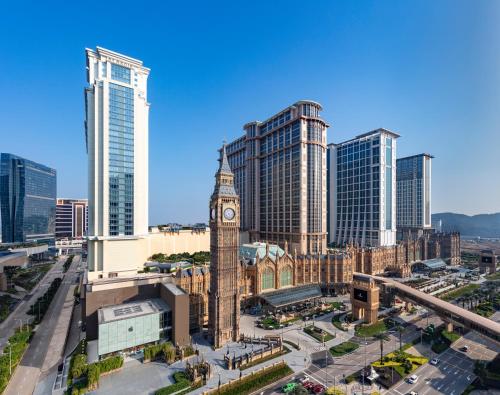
429,70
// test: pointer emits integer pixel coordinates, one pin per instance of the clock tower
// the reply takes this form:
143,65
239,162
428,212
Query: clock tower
224,297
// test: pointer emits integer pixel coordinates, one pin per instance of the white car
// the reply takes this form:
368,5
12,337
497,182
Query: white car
413,379
434,361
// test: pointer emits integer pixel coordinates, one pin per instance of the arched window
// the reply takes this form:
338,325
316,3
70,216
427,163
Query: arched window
267,278
286,276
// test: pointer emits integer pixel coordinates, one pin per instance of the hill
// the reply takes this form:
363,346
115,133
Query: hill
482,225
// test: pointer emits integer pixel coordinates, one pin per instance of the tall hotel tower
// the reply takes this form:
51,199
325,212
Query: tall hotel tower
280,176
413,194
362,180
116,128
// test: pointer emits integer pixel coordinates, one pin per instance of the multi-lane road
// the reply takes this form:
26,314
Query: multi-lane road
27,373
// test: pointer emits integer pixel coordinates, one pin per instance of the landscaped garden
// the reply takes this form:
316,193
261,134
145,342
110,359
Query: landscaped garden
458,292
402,362
27,278
12,354
337,323
181,383
343,348
371,330
285,350
319,334
40,307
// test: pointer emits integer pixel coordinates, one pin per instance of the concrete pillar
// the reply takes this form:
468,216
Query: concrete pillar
449,327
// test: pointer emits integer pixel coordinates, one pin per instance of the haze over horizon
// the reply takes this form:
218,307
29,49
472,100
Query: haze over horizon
428,71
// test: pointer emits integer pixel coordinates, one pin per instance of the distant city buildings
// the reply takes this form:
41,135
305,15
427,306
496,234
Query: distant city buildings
362,182
280,176
116,129
27,200
413,194
71,218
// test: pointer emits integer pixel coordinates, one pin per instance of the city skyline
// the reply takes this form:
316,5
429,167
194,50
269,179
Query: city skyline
410,83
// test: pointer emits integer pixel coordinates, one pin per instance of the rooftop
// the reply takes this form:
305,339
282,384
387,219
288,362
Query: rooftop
250,251
130,310
287,296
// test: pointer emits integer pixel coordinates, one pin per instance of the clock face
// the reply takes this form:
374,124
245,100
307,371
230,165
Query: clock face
229,214
212,213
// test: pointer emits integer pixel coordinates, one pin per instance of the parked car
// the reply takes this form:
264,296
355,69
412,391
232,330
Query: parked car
318,389
434,361
289,387
464,348
413,379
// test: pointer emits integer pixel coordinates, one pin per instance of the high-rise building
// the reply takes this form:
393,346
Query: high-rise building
413,178
27,199
116,128
363,190
71,218
279,167
224,298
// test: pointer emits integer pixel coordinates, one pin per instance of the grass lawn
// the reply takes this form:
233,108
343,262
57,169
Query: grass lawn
371,330
456,293
319,336
337,324
450,336
343,348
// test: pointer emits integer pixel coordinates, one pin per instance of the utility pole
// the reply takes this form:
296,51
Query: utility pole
363,370
10,359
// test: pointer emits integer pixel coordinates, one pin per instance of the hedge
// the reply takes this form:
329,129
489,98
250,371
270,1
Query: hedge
42,304
181,382
251,383
67,264
165,350
343,348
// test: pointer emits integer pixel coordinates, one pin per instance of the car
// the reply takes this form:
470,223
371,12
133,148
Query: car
289,387
434,361
308,385
464,348
413,379
413,393
318,389
303,380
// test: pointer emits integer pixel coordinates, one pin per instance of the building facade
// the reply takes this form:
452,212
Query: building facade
71,218
224,297
413,179
363,190
116,128
27,200
280,175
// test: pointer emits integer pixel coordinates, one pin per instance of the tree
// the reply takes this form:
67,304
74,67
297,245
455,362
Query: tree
400,329
381,337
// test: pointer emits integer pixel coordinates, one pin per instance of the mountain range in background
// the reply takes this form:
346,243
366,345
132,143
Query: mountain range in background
480,225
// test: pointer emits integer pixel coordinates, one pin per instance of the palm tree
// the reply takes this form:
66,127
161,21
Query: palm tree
381,337
400,329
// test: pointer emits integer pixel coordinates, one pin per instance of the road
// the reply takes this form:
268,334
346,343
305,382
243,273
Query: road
455,370
27,373
19,315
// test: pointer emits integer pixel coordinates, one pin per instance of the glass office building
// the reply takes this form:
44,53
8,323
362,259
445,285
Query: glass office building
27,200
363,190
414,192
279,167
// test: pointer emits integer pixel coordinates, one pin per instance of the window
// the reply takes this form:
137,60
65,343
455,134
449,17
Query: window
286,276
267,278
120,73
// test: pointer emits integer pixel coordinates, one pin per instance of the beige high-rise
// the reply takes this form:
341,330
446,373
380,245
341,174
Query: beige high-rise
280,176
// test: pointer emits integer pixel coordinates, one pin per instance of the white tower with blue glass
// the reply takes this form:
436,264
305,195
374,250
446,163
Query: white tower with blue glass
116,131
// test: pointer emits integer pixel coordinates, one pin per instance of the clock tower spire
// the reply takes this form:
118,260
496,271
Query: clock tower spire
224,297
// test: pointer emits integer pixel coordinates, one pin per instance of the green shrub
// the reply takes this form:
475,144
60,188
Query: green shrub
111,363
93,374
78,366
181,382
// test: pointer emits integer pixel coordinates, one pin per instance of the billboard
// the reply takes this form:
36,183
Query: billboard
361,295
487,259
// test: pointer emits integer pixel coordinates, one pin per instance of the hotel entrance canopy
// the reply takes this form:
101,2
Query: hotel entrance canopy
291,296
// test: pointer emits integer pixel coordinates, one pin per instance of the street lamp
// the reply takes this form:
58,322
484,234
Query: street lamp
10,358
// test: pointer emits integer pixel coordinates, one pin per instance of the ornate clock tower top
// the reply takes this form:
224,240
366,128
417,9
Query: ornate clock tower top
224,298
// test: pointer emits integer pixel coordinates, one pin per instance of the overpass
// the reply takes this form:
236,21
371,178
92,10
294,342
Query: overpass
448,312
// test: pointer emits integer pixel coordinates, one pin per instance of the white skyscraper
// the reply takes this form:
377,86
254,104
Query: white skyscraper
116,129
362,182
